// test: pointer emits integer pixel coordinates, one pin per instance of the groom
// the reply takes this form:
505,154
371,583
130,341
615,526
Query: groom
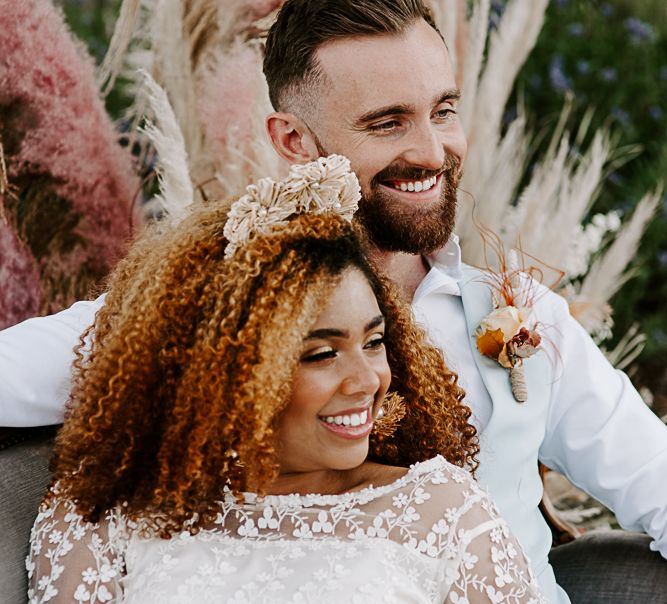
372,80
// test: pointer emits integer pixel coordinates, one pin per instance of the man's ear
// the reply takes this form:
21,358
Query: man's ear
291,138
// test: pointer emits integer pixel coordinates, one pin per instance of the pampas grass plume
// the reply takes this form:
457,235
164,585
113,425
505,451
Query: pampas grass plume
63,149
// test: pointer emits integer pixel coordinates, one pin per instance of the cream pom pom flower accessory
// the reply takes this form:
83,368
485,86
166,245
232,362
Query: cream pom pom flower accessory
325,185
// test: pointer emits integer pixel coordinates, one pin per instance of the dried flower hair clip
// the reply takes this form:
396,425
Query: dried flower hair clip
324,185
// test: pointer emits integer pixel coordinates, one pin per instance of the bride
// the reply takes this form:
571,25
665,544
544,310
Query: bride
257,419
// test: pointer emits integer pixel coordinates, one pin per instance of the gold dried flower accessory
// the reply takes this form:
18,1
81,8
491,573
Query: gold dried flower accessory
325,185
508,334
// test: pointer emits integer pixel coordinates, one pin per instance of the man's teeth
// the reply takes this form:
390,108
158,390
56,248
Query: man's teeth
354,419
416,185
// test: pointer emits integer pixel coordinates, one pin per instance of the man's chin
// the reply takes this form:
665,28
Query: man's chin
405,235
394,224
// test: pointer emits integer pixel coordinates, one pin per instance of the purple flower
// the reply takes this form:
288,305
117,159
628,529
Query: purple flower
583,67
639,30
659,336
576,29
621,115
662,259
607,10
559,80
608,74
656,112
535,81
498,6
615,178
510,115
496,12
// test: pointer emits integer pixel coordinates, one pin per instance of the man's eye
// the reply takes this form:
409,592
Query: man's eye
319,355
385,126
445,112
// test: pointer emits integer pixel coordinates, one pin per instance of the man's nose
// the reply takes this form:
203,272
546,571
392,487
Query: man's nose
426,149
360,377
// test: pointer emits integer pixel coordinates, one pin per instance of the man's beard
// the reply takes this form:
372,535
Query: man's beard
397,226
394,225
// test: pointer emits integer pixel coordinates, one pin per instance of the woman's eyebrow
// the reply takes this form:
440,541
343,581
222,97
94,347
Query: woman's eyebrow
332,332
375,322
327,332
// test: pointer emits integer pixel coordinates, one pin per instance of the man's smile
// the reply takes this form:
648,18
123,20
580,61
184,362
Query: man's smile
415,185
425,190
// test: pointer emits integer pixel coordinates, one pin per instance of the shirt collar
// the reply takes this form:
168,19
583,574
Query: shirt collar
446,271
448,258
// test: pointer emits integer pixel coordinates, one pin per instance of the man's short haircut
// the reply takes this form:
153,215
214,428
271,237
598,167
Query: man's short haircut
303,26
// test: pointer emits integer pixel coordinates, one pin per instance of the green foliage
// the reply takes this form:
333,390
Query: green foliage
92,22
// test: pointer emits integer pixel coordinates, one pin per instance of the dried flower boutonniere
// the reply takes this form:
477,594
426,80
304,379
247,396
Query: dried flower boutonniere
508,334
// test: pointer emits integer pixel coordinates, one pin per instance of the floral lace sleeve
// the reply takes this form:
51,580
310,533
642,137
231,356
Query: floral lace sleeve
482,561
71,560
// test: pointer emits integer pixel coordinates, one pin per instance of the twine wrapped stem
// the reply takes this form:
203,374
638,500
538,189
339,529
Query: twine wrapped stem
518,383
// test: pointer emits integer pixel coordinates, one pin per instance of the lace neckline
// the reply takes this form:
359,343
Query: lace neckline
364,495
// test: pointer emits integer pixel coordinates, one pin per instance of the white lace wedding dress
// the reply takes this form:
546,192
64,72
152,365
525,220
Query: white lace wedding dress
431,536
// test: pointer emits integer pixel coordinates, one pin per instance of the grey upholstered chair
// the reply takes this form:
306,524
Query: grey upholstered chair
24,476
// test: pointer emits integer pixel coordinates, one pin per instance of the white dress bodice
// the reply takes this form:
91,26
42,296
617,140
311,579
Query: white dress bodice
433,535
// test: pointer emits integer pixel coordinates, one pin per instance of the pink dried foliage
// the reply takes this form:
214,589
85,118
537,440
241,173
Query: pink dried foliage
252,9
261,8
227,97
20,290
60,128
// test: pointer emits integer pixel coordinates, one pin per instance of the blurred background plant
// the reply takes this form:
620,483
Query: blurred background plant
570,167
610,58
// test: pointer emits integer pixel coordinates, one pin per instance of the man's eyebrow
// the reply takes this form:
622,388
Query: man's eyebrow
376,114
451,94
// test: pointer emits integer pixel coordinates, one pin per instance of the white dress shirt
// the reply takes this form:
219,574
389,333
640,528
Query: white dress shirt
599,432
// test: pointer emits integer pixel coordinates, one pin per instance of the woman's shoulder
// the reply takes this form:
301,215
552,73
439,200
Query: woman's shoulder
436,476
58,516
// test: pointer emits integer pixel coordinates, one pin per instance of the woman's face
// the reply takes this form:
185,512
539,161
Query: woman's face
339,384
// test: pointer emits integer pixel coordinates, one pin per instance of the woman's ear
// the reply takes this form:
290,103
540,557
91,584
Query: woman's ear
291,138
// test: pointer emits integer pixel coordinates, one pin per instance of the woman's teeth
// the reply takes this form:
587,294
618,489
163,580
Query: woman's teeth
353,419
416,185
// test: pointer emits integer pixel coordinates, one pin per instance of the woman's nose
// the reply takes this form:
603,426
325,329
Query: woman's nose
361,377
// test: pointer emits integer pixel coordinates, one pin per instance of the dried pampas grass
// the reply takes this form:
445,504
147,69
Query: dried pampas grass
176,192
608,272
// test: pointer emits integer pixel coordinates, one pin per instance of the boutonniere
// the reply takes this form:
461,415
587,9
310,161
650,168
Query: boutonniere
508,334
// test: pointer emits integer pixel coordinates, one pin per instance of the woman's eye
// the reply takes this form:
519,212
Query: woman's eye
375,342
319,355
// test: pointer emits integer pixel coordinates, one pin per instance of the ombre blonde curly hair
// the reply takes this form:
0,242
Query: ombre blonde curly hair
179,386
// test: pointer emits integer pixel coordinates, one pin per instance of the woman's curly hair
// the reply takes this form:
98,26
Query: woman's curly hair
179,384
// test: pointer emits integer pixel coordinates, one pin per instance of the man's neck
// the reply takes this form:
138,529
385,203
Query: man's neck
406,270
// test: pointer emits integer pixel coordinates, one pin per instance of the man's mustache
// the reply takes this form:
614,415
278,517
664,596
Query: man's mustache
398,172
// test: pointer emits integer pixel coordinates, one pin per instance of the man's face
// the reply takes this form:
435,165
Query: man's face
389,105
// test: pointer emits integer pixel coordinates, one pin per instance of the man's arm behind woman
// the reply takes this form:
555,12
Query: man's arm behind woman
35,365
